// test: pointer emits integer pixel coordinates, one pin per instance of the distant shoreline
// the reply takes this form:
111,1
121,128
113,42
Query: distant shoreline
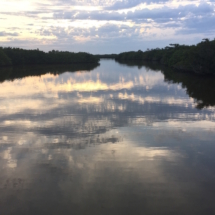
199,59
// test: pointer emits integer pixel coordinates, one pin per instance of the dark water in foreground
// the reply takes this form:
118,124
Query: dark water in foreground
115,140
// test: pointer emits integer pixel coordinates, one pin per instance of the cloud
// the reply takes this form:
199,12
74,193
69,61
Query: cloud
72,24
198,25
105,32
118,5
84,3
167,12
3,34
164,13
107,5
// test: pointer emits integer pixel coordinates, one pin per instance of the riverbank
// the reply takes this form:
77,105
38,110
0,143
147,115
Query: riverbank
198,58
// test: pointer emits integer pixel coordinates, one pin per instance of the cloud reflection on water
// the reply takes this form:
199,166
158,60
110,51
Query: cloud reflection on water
116,140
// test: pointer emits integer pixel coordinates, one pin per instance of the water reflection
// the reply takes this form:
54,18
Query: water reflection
12,73
116,140
201,88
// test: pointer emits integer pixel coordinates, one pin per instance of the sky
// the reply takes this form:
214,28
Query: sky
99,26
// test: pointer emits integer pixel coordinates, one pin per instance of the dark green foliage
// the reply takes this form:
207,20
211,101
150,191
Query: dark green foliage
16,56
69,57
4,59
111,56
198,58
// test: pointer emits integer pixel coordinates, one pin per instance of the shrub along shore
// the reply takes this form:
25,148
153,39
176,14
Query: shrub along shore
198,58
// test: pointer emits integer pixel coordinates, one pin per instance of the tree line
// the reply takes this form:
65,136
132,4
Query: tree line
110,56
198,58
16,56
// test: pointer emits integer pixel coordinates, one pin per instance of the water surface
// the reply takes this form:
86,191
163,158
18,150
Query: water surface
116,139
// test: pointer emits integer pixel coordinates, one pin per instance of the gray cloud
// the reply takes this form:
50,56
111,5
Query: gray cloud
3,34
167,13
67,3
163,14
104,32
131,3
198,25
189,18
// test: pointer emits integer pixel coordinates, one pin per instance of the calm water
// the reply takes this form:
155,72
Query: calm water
115,140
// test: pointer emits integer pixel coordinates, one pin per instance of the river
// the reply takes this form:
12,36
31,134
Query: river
118,139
